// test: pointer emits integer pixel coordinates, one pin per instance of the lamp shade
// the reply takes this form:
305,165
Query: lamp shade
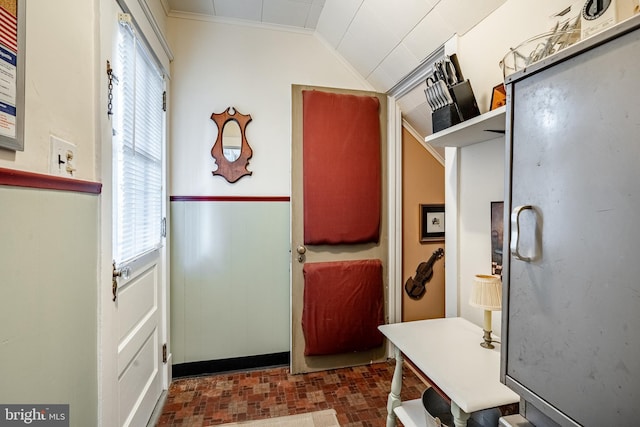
486,292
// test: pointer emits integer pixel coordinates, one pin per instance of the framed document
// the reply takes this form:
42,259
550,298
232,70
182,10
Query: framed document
12,44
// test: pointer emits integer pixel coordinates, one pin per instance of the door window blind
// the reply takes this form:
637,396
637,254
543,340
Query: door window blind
137,149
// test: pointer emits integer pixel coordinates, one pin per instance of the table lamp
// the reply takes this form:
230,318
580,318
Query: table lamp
486,294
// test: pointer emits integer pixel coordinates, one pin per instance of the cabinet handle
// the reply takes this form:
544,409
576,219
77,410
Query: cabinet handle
515,232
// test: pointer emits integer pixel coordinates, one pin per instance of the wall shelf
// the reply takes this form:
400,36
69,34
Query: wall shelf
484,127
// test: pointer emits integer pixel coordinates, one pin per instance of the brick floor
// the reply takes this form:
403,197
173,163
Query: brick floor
358,395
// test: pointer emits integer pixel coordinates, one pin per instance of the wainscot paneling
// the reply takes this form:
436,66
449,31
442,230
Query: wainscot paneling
49,304
229,277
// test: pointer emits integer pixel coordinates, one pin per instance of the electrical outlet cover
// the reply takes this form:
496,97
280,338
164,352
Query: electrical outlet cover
63,157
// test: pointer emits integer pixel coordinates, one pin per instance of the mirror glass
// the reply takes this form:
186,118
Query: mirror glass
231,140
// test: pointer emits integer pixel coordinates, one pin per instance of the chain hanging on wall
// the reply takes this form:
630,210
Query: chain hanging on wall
112,77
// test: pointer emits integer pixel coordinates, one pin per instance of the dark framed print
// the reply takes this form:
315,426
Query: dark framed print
497,237
431,223
498,97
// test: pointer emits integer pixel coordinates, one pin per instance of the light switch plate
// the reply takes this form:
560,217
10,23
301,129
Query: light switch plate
63,157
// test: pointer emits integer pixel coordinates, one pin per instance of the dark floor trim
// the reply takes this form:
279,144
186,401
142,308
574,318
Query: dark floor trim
233,364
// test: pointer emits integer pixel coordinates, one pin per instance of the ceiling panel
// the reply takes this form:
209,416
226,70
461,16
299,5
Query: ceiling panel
286,12
400,19
335,19
314,14
393,68
203,7
428,35
463,15
246,9
379,81
367,41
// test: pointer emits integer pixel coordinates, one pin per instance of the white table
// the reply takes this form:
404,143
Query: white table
448,352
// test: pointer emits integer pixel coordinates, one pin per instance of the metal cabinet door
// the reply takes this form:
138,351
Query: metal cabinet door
574,309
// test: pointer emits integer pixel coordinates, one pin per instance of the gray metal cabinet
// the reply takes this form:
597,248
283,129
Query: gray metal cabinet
571,319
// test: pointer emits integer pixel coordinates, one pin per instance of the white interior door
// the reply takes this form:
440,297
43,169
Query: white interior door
139,347
132,327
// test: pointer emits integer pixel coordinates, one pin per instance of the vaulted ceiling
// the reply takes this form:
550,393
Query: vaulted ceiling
291,13
383,40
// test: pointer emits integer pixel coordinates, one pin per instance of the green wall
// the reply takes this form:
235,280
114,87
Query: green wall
48,300
229,279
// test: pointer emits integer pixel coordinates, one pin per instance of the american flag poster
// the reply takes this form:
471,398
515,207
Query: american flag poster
9,24
8,67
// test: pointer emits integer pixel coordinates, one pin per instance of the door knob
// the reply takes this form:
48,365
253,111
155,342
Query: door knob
115,273
301,251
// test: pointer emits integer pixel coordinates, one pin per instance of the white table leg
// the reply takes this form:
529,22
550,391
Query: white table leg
396,386
460,417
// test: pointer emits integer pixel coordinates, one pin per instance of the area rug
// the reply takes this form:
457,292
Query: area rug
325,418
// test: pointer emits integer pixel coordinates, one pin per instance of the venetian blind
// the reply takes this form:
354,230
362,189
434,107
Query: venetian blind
137,149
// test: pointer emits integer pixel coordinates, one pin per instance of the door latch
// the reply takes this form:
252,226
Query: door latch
115,273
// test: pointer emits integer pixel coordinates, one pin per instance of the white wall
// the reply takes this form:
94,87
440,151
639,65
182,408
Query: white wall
251,68
481,182
239,307
59,85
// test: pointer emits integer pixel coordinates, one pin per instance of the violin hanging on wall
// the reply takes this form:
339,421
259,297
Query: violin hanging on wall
416,286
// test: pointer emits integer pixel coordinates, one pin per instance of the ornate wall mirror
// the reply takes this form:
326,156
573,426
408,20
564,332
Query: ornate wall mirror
231,149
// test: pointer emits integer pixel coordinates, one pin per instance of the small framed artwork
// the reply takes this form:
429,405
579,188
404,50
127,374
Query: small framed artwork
497,237
431,223
498,97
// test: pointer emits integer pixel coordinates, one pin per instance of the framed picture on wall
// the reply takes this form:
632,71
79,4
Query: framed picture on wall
12,23
497,233
431,223
12,44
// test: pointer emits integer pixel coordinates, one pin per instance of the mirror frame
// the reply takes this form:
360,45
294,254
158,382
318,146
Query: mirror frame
231,171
